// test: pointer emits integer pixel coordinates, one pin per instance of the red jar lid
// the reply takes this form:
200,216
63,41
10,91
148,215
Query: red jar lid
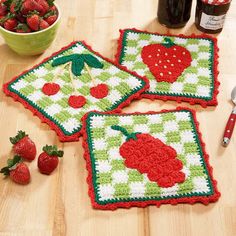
216,2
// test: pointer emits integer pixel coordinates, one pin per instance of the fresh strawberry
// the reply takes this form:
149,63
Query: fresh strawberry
17,170
151,156
43,24
20,18
166,61
51,19
24,146
22,28
33,22
3,9
48,159
10,24
1,20
53,8
15,6
44,5
31,5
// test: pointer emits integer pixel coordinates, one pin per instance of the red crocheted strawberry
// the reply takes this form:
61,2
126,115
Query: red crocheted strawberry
166,61
151,156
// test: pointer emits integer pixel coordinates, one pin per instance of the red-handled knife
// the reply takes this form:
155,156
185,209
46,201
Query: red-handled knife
231,121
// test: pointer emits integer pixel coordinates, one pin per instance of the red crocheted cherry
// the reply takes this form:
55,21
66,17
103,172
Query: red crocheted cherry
76,101
150,155
166,61
50,88
99,91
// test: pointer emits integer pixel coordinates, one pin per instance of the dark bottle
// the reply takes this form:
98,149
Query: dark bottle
174,13
210,15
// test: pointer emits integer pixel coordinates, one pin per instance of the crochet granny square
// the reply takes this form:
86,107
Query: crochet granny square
71,82
180,68
142,159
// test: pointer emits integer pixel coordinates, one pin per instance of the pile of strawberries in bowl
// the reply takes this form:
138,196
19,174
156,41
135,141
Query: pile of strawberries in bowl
25,16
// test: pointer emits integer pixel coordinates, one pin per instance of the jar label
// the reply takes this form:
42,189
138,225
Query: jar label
212,22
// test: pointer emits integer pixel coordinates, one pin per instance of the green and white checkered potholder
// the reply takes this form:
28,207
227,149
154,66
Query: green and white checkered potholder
54,110
113,184
197,83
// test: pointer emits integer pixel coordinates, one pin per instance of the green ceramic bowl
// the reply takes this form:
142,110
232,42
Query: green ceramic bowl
31,43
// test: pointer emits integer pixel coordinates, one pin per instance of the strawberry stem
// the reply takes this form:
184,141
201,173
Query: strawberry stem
168,43
11,164
125,132
53,151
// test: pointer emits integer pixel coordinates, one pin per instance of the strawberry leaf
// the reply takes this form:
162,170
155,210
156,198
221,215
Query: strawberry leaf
20,135
53,151
5,171
50,13
18,5
11,164
50,3
8,3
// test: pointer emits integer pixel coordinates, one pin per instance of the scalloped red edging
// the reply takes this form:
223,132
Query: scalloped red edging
53,126
178,99
113,206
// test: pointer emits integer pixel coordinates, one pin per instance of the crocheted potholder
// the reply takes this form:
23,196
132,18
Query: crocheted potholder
180,68
142,159
71,82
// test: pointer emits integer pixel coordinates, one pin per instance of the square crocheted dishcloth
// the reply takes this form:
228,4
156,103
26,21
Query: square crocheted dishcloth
197,84
112,184
54,110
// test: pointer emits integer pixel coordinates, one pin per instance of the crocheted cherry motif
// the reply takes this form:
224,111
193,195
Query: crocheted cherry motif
50,88
166,61
76,101
151,156
99,91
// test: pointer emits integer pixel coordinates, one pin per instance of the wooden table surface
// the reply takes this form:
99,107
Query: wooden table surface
59,204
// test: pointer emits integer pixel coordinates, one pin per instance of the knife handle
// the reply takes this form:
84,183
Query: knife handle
229,128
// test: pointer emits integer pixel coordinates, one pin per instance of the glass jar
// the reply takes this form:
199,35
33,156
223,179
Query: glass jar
174,13
210,15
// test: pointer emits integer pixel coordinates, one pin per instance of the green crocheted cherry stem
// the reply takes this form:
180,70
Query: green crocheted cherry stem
168,43
78,62
125,132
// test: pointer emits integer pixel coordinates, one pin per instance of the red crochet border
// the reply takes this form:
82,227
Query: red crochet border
61,135
113,206
192,101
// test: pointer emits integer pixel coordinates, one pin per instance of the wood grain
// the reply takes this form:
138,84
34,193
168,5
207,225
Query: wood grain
59,204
